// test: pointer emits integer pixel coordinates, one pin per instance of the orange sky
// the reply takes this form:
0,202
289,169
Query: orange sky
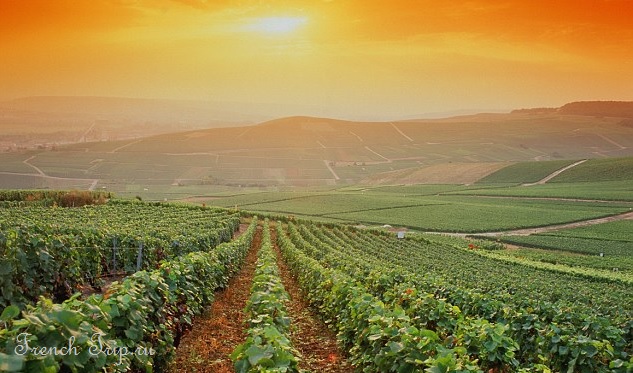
345,58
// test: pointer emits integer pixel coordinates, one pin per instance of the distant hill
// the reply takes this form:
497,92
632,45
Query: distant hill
622,109
617,109
312,151
45,121
302,150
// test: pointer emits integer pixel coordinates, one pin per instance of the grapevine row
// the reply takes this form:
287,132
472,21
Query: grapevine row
267,347
548,334
136,325
378,336
55,251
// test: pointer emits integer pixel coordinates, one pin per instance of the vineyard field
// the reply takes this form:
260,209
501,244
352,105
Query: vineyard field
55,251
524,172
398,286
608,169
613,231
425,302
613,263
575,245
148,311
454,213
461,214
619,190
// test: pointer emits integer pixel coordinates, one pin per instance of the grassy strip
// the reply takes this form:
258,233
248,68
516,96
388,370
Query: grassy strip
136,325
267,347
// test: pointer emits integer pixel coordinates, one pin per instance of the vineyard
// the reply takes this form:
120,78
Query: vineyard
131,284
54,251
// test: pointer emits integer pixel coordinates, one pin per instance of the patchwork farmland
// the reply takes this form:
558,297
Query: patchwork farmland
393,264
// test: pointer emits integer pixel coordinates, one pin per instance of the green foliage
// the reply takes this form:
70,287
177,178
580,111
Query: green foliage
492,325
378,336
598,170
267,347
135,326
50,251
53,197
586,246
524,172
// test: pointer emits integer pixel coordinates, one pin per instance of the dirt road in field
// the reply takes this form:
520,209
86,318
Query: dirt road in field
555,173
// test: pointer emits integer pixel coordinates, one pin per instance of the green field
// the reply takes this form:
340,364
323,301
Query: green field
524,172
613,231
613,239
609,169
462,298
422,207
479,215
624,264
621,190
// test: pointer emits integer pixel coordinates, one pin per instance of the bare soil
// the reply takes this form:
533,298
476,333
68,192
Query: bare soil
240,231
309,335
216,333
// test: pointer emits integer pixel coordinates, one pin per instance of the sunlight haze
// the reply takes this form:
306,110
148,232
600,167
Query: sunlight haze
341,58
275,24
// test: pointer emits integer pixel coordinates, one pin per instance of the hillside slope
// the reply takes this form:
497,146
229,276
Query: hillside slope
321,151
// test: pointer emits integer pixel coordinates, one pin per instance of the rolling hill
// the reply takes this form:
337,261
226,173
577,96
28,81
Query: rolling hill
309,151
46,121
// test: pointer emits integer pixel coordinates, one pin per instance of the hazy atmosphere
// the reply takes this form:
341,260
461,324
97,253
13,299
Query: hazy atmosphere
349,59
333,186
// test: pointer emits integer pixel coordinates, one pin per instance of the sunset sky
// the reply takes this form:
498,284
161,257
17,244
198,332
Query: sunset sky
342,58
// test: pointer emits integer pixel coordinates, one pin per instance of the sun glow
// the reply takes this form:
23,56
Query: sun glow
276,25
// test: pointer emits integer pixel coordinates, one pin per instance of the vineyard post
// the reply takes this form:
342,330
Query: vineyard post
139,258
114,254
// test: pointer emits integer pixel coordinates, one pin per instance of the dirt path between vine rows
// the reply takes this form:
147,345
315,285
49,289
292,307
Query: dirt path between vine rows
309,335
216,333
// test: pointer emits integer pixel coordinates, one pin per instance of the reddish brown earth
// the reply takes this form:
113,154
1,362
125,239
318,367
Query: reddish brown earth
309,335
215,334
240,230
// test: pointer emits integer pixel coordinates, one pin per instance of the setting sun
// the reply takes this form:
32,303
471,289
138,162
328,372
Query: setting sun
217,185
276,25
349,59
